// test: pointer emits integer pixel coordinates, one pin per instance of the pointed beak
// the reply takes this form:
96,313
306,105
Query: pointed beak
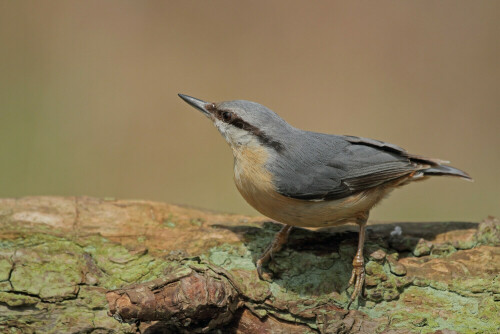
196,103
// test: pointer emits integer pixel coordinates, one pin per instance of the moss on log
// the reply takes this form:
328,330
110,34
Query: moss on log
79,264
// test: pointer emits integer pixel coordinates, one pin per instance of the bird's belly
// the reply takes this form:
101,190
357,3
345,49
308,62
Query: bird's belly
254,183
309,213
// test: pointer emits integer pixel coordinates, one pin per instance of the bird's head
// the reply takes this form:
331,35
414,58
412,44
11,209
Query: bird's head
244,123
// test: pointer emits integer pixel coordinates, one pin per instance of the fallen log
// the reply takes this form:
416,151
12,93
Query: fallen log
68,264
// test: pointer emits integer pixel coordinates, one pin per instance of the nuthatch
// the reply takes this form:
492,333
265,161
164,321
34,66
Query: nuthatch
309,179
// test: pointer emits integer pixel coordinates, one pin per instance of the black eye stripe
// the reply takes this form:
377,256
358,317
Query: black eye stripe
239,123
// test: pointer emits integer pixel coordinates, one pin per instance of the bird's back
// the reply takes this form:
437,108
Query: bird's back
317,166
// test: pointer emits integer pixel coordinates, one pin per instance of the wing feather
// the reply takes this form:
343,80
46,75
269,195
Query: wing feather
343,166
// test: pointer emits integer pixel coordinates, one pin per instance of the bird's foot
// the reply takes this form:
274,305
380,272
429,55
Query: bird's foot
260,262
357,278
275,246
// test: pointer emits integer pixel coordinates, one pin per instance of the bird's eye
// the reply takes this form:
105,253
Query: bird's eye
226,116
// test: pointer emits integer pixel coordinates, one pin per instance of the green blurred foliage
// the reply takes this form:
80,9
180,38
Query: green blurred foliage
88,100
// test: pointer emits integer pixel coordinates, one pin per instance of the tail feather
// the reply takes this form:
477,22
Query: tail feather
446,170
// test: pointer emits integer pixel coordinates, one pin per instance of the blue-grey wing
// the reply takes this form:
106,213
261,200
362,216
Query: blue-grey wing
327,167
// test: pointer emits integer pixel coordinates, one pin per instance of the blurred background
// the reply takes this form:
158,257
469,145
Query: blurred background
89,106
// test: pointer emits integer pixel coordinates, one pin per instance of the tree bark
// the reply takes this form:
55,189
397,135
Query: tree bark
86,265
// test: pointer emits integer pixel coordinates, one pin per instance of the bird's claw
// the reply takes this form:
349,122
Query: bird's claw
271,252
357,279
260,262
273,247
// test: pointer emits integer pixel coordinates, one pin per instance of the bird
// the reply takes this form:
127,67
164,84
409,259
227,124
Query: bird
310,179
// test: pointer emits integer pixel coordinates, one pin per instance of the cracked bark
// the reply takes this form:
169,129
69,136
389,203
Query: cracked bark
66,263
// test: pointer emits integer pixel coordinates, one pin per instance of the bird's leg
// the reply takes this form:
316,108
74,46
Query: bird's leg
278,242
358,271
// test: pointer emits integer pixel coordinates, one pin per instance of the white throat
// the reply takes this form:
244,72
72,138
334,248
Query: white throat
236,138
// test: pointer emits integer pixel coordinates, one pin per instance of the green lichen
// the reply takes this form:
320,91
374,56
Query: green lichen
395,267
169,221
303,275
475,286
5,268
92,298
464,244
15,299
5,286
488,232
238,261
441,250
386,280
442,310
50,270
169,224
422,248
120,266
196,221
231,257
45,279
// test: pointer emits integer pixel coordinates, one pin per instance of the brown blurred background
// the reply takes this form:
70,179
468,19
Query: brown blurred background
89,106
